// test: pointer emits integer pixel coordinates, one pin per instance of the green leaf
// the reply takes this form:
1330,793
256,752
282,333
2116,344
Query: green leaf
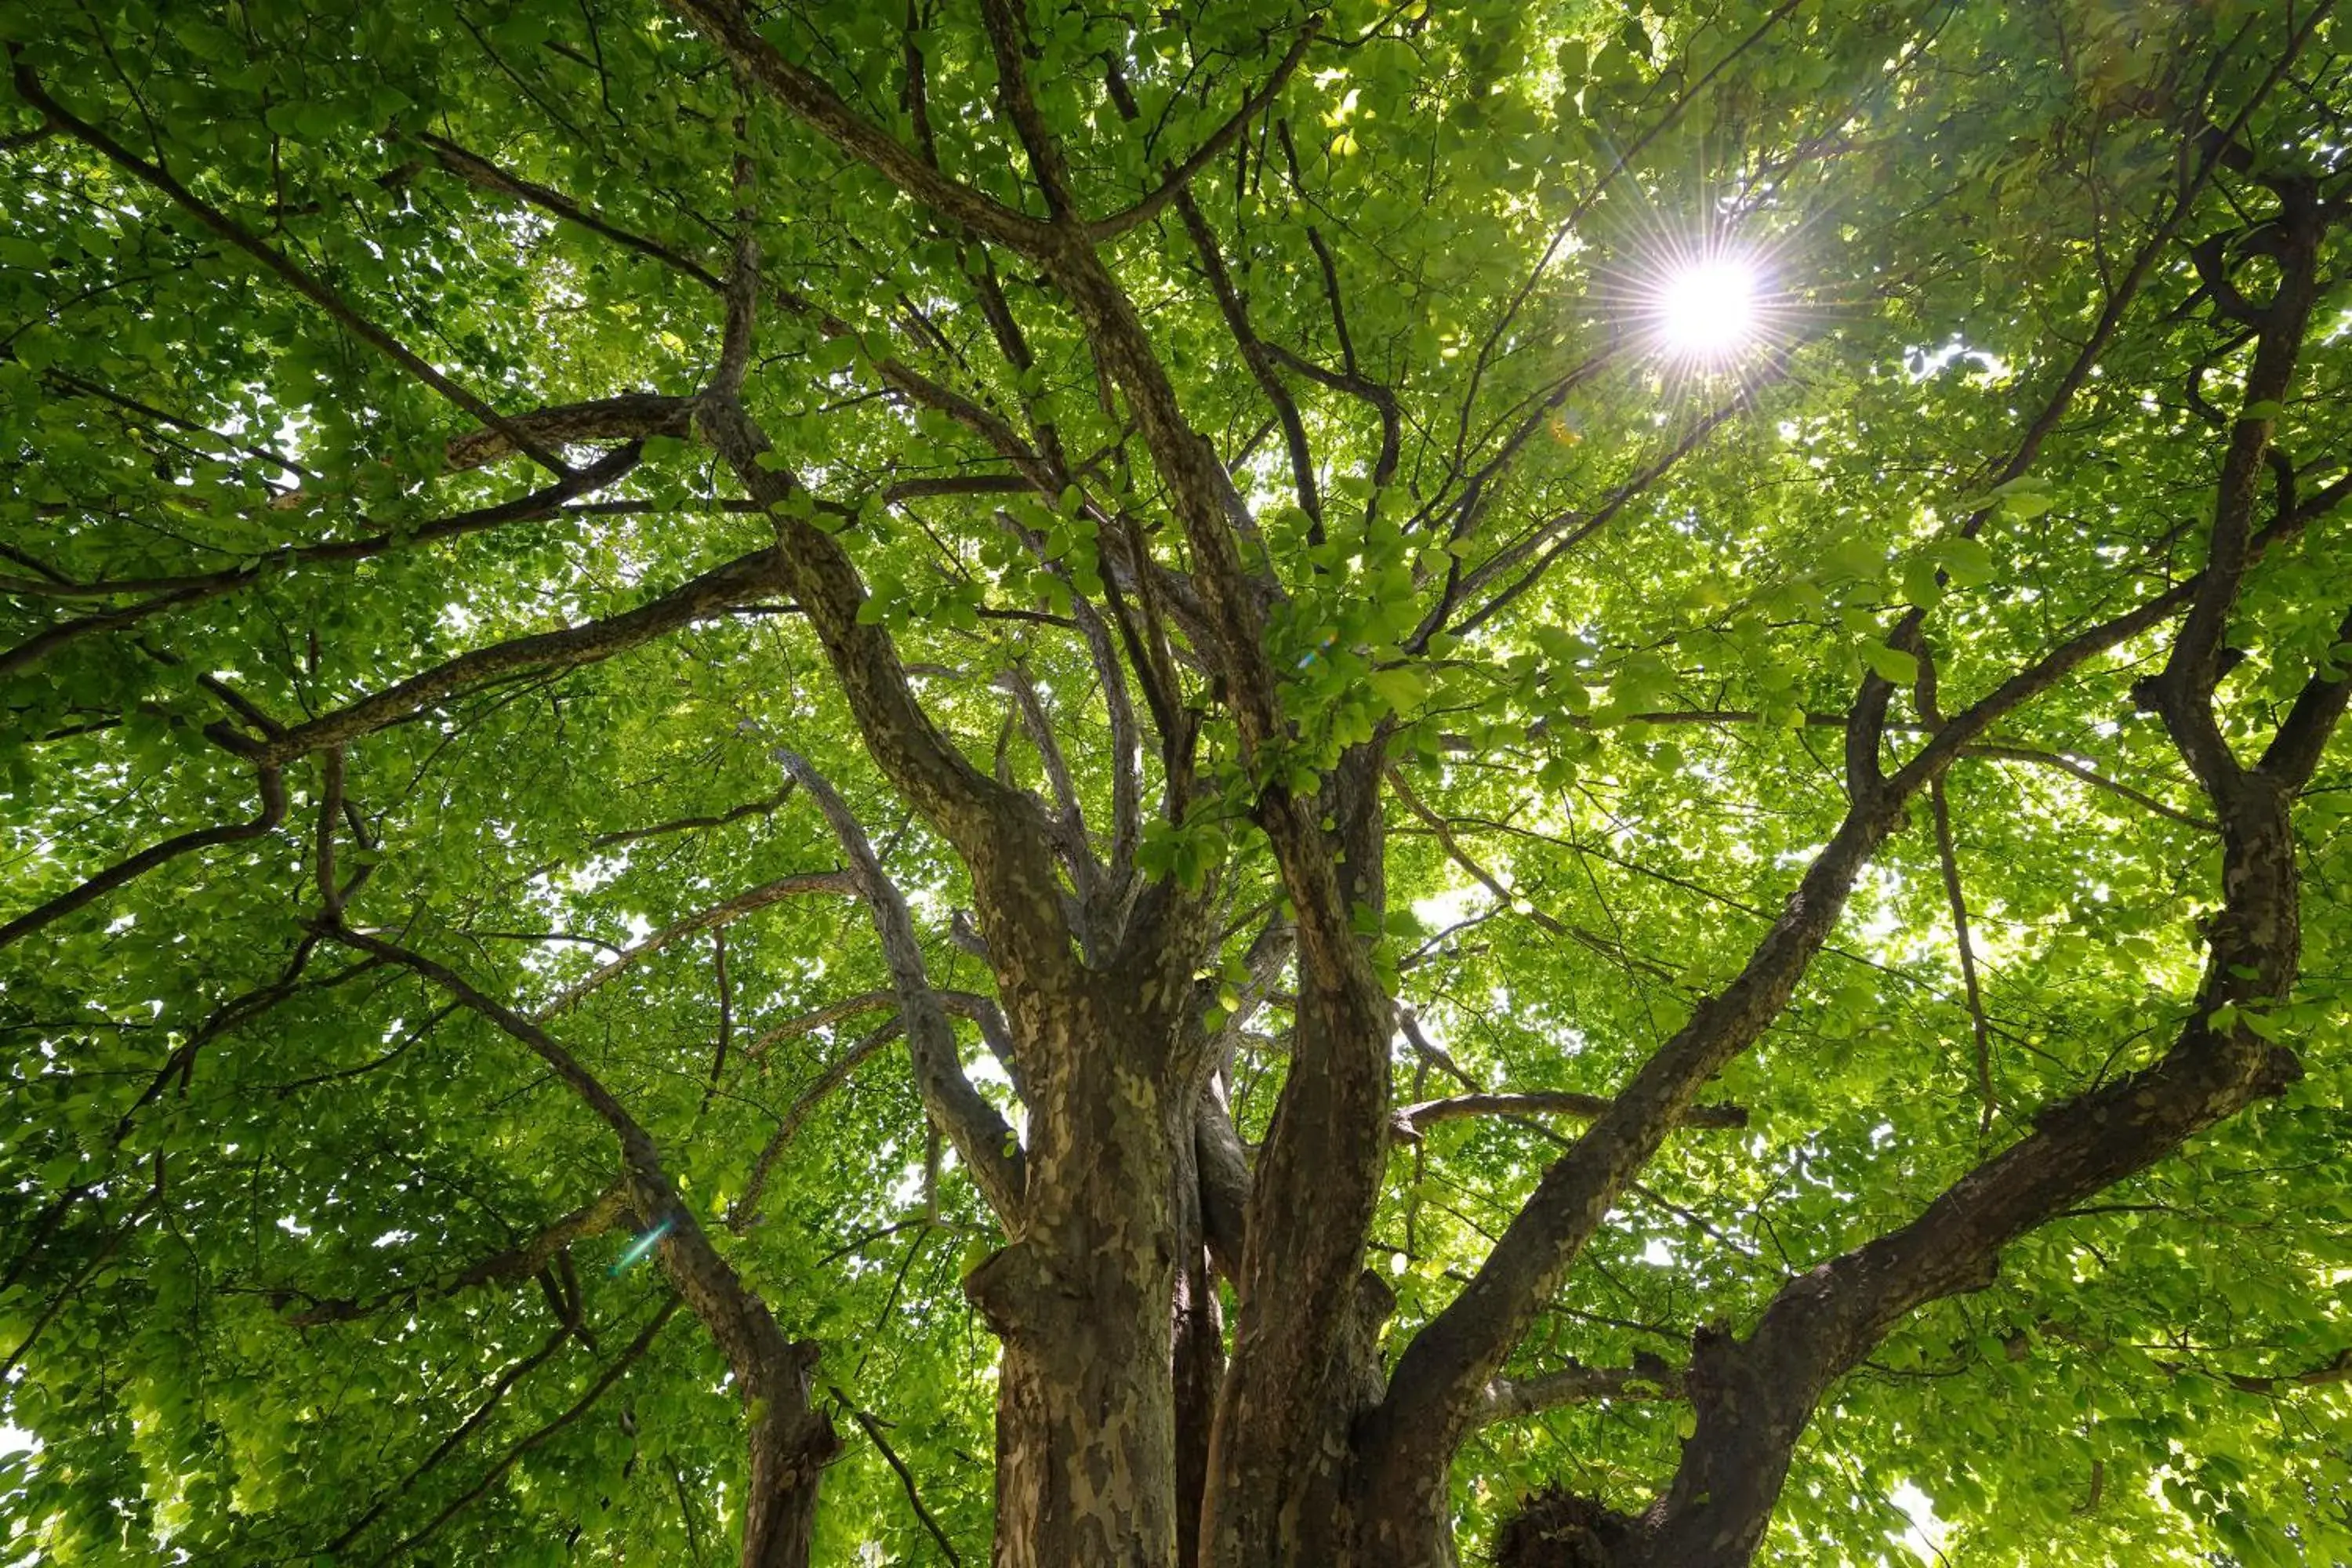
1889,664
1967,561
1401,690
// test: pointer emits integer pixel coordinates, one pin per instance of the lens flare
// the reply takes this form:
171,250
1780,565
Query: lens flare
1707,310
1703,301
640,1249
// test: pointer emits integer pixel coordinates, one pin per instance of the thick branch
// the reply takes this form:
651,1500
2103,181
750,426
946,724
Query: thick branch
596,1391
982,1136
632,417
1434,1388
729,24
744,1212
175,593
1000,833
1006,22
509,1266
1649,1378
1981,1030
480,171
790,1443
744,580
1756,1398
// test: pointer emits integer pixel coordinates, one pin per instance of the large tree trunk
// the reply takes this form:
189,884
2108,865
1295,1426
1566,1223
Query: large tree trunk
1200,1357
790,1445
1086,1441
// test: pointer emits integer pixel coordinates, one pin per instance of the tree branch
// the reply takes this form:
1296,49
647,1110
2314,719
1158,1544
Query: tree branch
1414,1122
480,171
1178,177
1433,1389
983,1138
744,1212
713,918
596,1391
790,1443
268,780
272,259
1649,1378
1940,809
744,580
509,1266
175,593
730,27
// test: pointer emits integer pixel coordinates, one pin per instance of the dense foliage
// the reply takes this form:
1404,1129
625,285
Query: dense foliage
668,673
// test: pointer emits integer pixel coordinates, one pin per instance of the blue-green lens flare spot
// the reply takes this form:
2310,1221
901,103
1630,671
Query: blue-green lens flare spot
638,1251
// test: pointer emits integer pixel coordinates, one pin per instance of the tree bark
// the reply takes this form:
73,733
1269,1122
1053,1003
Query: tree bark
1082,1297
1200,1352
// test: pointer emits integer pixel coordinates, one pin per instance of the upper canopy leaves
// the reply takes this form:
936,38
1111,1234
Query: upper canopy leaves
376,550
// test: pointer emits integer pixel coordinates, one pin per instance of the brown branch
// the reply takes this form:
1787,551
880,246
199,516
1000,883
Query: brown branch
472,166
742,288
2294,750
1433,1389
2183,692
631,417
1649,1378
1755,1396
29,86
1940,809
726,1016
579,1407
790,1443
174,593
268,780
744,580
809,1023
1177,178
766,806
509,1266
1001,833
729,26
872,1427
1381,399
744,1212
717,915
1005,23
1260,363
449,1445
1414,1122
2091,776
983,1138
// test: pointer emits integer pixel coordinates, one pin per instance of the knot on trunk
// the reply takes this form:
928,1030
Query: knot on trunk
1556,1529
1013,1288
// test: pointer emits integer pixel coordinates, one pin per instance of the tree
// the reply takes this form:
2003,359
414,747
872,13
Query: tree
741,742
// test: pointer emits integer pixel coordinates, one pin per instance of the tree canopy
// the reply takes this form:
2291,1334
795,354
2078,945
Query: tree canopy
1232,784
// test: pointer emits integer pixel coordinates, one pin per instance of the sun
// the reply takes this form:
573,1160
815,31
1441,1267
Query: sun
1701,305
1707,308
